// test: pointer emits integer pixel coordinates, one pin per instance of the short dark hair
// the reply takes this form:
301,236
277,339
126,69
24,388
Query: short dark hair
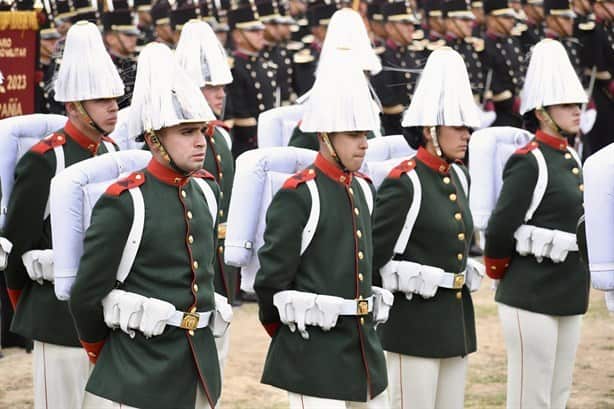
414,136
530,121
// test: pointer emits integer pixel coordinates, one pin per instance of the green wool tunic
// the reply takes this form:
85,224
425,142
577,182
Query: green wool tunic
546,287
39,315
442,326
347,362
173,264
220,163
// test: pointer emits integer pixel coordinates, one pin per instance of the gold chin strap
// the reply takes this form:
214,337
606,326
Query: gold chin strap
156,142
333,152
433,130
89,119
553,124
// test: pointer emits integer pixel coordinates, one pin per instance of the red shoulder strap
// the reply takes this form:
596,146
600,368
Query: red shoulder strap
365,177
52,141
299,178
203,174
133,180
527,148
401,168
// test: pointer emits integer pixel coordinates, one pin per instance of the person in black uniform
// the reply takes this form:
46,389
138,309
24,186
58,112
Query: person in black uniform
253,88
160,16
120,37
144,24
395,87
534,12
504,59
49,37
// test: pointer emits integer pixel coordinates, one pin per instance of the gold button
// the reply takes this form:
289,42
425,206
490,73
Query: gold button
358,234
190,239
458,216
221,175
446,180
220,249
581,187
221,194
219,157
60,138
183,193
189,215
362,321
361,255
459,295
461,236
341,179
193,309
93,355
459,256
575,171
195,264
356,212
351,190
191,332
195,288
137,177
568,155
311,171
452,197
361,277
221,213
493,267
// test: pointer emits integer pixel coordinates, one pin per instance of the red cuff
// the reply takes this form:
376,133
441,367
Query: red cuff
272,328
14,297
495,267
516,106
611,87
92,349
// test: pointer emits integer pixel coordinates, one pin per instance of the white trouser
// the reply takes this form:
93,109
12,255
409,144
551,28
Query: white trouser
426,383
223,346
60,375
96,402
298,401
541,350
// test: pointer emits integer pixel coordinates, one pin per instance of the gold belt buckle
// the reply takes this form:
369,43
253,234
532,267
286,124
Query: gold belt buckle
221,231
459,281
362,307
190,320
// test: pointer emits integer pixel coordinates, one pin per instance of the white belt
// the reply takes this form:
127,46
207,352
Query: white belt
189,320
356,307
452,280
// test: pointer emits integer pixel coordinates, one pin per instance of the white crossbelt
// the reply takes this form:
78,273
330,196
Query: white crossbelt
186,320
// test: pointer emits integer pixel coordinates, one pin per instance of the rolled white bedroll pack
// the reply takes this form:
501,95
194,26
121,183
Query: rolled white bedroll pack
599,219
17,135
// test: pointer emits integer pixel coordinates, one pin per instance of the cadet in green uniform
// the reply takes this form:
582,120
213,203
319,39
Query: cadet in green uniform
202,56
543,290
173,265
88,84
344,364
431,329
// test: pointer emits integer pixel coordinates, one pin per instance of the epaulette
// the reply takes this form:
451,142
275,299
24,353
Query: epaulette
519,29
303,176
588,26
303,56
435,45
363,176
418,35
402,168
231,62
294,45
133,180
52,141
477,43
308,39
203,174
379,50
527,148
416,46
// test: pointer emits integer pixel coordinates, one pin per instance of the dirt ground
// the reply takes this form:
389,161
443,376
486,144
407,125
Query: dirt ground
593,378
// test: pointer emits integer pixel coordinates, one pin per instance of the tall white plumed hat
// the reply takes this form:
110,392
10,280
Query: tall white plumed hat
87,71
340,100
164,95
443,95
347,29
201,55
550,79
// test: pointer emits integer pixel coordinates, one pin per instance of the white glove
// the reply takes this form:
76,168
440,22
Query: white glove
328,309
541,243
130,312
302,303
409,277
5,249
283,302
39,265
474,275
110,308
295,309
562,243
155,315
390,276
523,239
431,277
609,300
220,319
382,301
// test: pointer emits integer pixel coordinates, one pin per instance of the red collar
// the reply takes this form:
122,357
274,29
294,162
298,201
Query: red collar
76,135
552,141
166,175
332,170
434,162
393,45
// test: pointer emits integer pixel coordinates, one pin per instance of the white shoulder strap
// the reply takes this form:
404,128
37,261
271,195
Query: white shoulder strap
366,190
226,136
540,186
60,164
462,177
412,214
110,147
209,197
134,237
575,155
314,216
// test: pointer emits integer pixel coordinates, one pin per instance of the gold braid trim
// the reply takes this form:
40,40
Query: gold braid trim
18,20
